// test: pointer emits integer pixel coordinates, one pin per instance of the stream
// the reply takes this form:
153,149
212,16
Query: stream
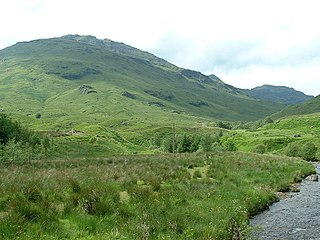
296,217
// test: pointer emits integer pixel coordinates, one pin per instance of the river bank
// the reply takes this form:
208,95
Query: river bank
295,217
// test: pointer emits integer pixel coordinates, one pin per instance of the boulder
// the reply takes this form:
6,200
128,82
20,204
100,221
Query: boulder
313,178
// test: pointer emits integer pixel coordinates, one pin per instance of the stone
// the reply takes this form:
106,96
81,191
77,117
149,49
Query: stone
313,178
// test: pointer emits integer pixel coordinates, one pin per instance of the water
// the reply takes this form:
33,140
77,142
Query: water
294,218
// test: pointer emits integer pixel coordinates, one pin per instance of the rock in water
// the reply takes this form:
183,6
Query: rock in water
313,178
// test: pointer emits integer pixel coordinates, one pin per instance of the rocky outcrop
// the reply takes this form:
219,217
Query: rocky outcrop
86,89
128,95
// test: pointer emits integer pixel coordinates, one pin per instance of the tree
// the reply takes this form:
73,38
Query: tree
184,143
206,143
167,144
10,150
156,140
45,144
196,139
11,130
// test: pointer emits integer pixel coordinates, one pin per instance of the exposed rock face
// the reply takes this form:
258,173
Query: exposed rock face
313,178
86,89
128,95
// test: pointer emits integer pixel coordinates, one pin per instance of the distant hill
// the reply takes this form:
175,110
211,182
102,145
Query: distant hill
279,94
309,107
81,80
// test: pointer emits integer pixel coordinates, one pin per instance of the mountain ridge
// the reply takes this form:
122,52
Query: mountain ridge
308,107
40,76
282,94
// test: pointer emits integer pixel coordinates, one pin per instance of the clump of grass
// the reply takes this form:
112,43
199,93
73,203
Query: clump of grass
197,174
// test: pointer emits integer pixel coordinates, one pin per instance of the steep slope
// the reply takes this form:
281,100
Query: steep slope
76,80
279,94
309,107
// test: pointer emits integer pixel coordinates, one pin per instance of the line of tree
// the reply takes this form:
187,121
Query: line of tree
20,144
188,143
253,125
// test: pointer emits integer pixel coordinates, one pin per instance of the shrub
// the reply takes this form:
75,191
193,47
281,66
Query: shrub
308,152
216,147
38,115
155,183
224,125
197,174
230,146
261,148
293,149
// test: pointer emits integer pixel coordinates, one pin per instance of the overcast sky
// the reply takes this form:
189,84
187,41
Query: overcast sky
246,43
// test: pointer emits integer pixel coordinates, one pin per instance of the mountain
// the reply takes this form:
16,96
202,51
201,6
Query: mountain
81,80
309,107
279,94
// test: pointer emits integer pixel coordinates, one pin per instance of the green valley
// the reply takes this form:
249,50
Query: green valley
100,140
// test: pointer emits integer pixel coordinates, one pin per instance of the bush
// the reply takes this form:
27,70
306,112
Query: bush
293,149
197,174
230,146
224,125
216,147
260,149
308,152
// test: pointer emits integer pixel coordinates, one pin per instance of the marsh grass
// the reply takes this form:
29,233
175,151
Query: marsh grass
82,198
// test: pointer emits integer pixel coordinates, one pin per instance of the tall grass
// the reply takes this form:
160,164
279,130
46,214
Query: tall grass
142,197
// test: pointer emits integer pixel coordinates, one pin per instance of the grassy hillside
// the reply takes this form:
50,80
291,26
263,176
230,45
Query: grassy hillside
275,137
50,77
309,107
280,94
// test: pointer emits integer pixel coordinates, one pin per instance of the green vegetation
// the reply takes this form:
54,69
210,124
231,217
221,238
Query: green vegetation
281,137
142,197
309,107
19,144
80,81
307,151
103,121
281,94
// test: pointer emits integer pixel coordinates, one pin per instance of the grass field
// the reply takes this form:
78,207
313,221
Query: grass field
142,197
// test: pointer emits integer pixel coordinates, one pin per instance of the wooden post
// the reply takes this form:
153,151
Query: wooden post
29,156
174,140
